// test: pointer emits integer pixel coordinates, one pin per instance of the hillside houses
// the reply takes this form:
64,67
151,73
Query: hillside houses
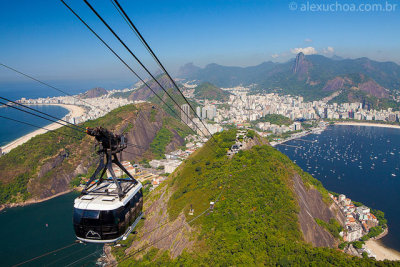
359,220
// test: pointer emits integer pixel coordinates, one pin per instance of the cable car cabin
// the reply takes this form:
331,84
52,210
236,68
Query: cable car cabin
101,217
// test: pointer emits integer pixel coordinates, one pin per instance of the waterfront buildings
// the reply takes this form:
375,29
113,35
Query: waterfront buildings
359,220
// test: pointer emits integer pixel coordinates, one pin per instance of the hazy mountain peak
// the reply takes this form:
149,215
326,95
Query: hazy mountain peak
301,65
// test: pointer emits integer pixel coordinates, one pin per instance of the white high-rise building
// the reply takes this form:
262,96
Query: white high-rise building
185,113
198,111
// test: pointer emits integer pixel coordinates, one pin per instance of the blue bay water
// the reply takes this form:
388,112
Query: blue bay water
11,130
360,162
24,235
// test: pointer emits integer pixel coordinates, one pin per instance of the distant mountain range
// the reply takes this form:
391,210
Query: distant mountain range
313,76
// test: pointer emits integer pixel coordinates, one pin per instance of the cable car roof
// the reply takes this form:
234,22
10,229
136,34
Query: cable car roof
99,199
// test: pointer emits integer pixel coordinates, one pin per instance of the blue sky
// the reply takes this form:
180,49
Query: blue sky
44,39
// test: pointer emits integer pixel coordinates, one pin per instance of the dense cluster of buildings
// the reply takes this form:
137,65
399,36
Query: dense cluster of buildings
356,111
358,219
244,107
95,107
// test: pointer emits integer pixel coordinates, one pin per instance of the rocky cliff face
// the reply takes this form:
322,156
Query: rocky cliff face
311,207
374,89
301,66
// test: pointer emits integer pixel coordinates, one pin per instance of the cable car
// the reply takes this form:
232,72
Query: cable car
100,216
108,209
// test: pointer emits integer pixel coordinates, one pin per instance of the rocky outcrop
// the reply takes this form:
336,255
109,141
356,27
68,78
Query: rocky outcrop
334,84
95,92
157,224
374,89
144,93
312,206
301,66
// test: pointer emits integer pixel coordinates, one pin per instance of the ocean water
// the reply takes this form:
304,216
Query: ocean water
11,130
24,235
361,162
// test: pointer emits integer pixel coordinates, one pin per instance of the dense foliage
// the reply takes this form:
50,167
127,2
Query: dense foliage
332,226
162,139
211,92
254,221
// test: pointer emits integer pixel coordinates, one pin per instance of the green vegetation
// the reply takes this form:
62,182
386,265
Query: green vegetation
162,139
251,134
16,190
332,227
343,245
380,215
284,135
145,163
373,232
211,92
274,119
255,220
309,124
153,114
358,244
128,128
75,182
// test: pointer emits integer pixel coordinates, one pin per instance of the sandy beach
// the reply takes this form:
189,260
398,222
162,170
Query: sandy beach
381,252
370,124
74,111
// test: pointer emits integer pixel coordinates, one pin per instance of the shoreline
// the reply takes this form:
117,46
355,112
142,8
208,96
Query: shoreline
382,252
369,124
74,111
33,201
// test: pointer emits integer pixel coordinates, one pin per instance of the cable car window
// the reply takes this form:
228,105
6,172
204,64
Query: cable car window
78,215
92,214
108,217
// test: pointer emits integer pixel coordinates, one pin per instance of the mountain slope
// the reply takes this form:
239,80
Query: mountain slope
264,214
46,164
95,92
312,76
144,93
211,92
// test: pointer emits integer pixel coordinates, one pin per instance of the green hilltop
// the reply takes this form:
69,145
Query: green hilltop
254,221
209,91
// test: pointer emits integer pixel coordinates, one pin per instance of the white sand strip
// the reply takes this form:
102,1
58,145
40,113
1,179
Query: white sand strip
381,252
74,111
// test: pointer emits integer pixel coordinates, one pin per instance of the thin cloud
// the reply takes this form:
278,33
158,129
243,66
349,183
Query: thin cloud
306,50
308,40
328,50
274,55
